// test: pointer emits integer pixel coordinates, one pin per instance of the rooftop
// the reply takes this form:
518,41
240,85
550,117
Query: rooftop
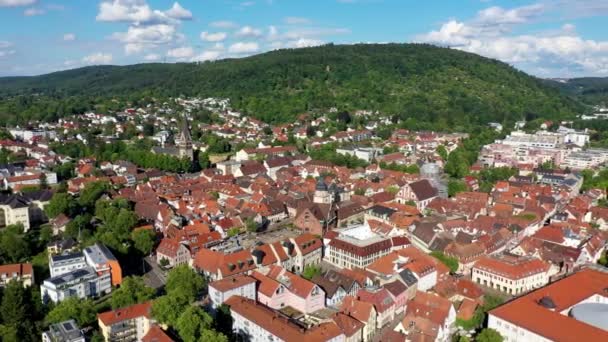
553,321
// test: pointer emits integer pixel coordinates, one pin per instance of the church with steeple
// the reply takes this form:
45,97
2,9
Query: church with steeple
183,143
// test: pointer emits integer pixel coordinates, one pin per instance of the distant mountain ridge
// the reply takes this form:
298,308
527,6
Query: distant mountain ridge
591,90
444,87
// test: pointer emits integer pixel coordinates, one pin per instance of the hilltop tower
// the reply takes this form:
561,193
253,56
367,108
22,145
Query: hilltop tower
183,141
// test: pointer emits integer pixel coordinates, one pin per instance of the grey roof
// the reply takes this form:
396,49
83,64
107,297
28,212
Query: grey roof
88,272
99,253
595,314
65,331
68,256
381,210
408,277
14,201
40,195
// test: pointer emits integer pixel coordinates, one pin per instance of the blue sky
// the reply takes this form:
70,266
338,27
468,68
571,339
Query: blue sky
548,38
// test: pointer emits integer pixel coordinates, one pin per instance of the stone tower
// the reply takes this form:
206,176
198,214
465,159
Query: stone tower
183,141
322,194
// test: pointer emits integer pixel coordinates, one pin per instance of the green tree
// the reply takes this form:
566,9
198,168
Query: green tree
118,220
13,308
143,240
184,283
192,322
251,225
451,263
91,193
82,310
310,271
166,309
489,335
13,245
59,203
131,291
442,152
455,186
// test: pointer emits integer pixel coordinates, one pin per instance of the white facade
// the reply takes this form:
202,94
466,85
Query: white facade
10,216
62,264
508,285
218,297
511,332
83,283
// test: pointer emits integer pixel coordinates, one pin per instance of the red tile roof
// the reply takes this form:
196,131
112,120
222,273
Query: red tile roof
156,334
526,312
511,267
231,283
131,312
19,269
280,326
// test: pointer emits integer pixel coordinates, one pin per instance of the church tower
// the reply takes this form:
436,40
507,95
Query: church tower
183,141
322,194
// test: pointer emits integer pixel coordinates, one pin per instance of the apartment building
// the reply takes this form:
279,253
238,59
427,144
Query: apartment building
358,246
62,264
81,283
90,273
221,290
127,324
16,272
67,331
511,275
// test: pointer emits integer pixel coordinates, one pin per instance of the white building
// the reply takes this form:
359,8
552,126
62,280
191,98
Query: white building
81,283
67,331
221,290
126,324
512,275
358,246
66,263
571,309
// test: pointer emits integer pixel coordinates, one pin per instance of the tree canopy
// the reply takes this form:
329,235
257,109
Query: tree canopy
415,82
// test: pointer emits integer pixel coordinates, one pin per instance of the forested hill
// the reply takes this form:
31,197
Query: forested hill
449,88
591,90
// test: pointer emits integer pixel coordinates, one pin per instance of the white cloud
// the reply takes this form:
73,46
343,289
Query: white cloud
304,42
244,47
214,36
498,16
181,52
296,20
98,58
17,3
30,12
209,55
248,31
4,53
152,57
140,38
224,24
178,12
69,37
148,28
136,11
545,53
139,12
